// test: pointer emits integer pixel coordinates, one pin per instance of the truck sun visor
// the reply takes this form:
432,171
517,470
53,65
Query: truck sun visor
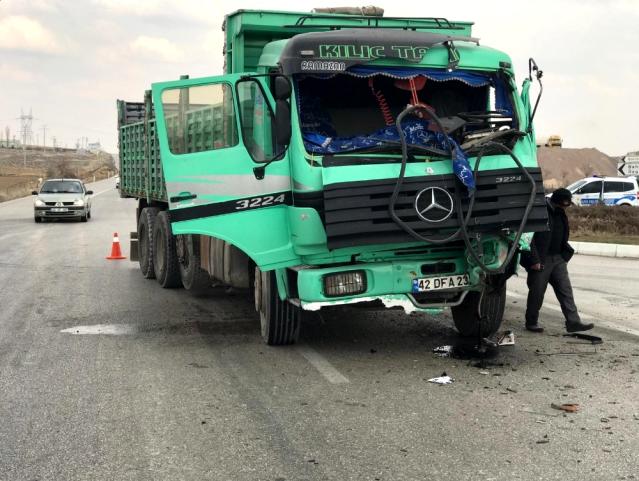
335,51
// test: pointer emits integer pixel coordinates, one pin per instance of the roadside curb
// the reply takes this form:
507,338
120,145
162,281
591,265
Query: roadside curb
606,250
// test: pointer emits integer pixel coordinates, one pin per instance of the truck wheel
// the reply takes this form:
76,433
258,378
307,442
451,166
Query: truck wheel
83,218
165,261
279,320
466,317
37,219
145,241
195,279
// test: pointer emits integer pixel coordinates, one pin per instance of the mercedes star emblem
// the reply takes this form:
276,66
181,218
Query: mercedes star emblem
434,204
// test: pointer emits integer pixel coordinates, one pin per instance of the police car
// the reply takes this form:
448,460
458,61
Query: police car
607,190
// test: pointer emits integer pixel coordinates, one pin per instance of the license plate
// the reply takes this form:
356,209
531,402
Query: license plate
438,283
59,209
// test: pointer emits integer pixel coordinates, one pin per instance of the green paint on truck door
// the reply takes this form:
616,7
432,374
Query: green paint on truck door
212,133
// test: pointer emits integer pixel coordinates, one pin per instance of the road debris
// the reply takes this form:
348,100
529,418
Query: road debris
586,337
544,440
443,379
505,338
443,351
567,407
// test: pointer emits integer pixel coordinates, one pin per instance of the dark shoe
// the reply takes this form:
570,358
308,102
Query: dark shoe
578,326
534,328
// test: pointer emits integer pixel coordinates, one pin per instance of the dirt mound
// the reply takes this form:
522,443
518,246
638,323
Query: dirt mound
561,167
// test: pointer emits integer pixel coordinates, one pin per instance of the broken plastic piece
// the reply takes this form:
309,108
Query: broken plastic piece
443,351
443,379
505,338
567,407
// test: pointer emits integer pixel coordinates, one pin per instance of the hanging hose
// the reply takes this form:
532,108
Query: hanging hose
383,104
402,173
463,220
520,230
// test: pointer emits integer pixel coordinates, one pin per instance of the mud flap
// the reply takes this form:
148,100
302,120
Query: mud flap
133,247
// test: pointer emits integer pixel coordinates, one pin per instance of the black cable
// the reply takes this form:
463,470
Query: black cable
464,220
402,173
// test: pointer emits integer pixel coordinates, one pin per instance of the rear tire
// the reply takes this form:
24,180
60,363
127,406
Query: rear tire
195,279
165,261
279,320
145,241
466,317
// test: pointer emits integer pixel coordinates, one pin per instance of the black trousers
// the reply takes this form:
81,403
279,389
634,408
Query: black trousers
555,273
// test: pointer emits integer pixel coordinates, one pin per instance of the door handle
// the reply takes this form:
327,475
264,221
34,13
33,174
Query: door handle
183,196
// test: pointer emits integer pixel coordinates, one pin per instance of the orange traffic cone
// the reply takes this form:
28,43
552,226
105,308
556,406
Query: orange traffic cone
116,253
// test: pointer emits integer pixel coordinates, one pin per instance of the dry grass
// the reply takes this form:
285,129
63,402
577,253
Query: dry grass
17,180
604,224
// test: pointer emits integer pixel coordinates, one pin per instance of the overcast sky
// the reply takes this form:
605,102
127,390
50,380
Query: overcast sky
69,60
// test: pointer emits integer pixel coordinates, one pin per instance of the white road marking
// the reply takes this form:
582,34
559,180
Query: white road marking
105,329
320,363
587,317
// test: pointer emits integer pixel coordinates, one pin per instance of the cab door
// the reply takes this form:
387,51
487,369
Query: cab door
214,134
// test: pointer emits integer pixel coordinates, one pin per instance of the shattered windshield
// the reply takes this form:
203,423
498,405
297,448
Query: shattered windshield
357,110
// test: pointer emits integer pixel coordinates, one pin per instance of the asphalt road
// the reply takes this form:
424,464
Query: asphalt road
163,386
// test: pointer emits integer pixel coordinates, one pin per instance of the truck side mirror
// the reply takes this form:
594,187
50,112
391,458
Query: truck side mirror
281,88
533,69
282,123
282,93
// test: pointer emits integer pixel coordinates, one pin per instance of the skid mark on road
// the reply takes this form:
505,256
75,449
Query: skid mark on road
320,363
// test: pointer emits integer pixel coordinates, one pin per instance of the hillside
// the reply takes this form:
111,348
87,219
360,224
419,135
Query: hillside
18,178
561,167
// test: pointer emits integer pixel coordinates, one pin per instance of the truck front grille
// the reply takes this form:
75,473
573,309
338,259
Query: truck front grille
356,213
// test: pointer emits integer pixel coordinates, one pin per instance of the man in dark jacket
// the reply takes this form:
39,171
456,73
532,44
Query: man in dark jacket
547,263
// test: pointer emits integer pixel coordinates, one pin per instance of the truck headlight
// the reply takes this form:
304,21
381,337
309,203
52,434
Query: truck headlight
344,283
78,202
39,203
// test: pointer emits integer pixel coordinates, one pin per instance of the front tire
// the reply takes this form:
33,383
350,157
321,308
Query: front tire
37,219
466,316
279,320
165,260
145,241
195,279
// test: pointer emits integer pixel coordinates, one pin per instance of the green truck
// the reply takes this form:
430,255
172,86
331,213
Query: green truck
340,159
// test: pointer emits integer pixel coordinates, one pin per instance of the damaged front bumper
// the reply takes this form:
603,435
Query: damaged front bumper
393,284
